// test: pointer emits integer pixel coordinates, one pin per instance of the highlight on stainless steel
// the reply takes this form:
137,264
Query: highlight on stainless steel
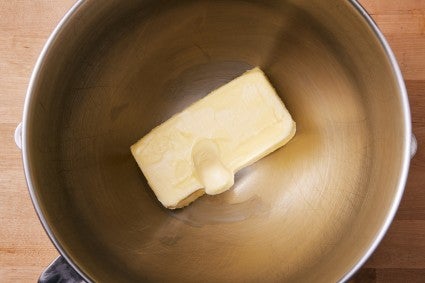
115,69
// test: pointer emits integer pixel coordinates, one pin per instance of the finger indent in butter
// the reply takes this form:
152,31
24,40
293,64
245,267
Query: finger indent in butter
200,149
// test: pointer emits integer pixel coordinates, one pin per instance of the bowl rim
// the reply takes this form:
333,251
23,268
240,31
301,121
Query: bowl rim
407,141
405,160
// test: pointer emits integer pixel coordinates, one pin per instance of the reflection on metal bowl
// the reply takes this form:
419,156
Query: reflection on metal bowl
313,211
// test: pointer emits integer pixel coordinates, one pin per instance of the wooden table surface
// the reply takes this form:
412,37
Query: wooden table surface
24,247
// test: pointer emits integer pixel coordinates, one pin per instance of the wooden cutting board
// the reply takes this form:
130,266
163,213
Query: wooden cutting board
25,249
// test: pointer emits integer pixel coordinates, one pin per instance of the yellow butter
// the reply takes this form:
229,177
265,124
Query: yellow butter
200,149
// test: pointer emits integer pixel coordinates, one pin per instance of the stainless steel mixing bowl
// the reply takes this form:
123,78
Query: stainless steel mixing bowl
313,211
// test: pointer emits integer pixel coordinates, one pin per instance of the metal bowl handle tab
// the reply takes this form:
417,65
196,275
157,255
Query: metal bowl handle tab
60,271
18,136
413,146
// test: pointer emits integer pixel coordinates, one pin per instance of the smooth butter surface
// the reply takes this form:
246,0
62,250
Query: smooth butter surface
200,149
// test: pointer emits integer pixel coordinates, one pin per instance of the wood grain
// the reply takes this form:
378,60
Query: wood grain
24,27
25,249
401,255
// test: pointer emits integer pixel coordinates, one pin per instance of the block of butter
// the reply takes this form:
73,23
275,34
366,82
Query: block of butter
199,150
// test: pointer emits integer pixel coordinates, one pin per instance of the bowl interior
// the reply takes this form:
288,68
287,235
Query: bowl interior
116,70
